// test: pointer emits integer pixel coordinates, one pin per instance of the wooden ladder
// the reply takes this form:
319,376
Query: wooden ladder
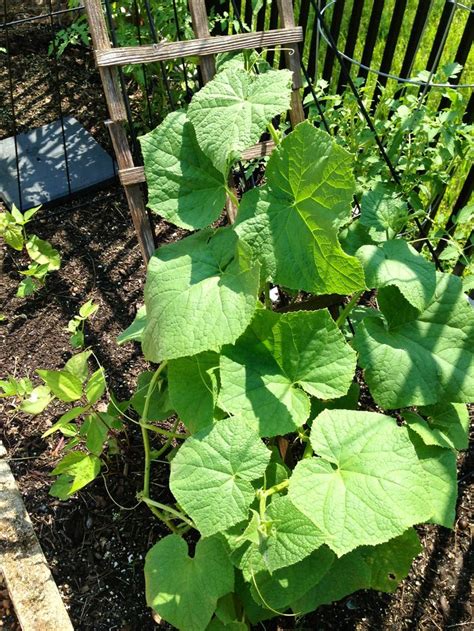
108,59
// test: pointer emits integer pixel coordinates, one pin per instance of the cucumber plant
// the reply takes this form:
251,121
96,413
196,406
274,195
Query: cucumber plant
285,535
289,489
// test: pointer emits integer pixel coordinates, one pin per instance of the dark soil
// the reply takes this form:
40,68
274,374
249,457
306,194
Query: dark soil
95,543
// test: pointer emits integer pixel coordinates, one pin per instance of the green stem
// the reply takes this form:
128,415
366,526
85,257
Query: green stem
308,451
262,495
144,429
168,509
348,308
162,518
277,488
302,435
262,503
274,134
163,432
167,443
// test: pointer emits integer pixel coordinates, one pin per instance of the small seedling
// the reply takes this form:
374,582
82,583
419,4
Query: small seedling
76,325
44,258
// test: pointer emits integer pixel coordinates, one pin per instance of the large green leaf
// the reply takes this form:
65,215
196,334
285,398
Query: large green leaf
134,332
183,185
232,111
367,485
212,472
446,425
279,589
379,567
200,293
183,590
291,223
441,476
284,537
347,402
264,375
419,359
397,263
193,387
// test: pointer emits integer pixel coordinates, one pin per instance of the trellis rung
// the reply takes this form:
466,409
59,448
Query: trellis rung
136,175
166,51
133,175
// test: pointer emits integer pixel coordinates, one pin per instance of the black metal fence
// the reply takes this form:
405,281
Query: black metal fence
386,43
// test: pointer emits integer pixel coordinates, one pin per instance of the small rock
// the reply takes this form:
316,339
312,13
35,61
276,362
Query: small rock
443,603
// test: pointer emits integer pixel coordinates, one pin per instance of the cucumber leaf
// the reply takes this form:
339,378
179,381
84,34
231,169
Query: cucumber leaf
200,293
367,485
449,420
279,589
291,223
184,590
193,388
397,263
160,406
419,358
183,185
379,567
382,211
232,111
134,332
280,360
439,465
212,472
286,537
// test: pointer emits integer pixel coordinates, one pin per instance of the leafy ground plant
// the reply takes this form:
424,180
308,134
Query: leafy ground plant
44,258
290,489
76,325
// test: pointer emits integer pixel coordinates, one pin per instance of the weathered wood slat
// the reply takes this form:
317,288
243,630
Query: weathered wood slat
109,76
132,175
118,114
259,150
166,51
201,30
133,190
292,55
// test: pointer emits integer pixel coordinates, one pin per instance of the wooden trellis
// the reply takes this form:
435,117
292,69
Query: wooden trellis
108,59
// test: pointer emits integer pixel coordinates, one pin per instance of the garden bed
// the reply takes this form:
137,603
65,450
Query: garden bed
96,543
